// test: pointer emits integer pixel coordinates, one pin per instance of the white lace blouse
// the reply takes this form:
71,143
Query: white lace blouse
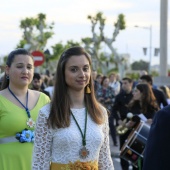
62,145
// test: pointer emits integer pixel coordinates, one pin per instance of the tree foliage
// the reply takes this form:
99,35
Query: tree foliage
60,47
140,65
93,44
36,32
121,22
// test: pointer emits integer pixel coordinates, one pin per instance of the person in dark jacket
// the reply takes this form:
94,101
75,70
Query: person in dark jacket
120,109
156,155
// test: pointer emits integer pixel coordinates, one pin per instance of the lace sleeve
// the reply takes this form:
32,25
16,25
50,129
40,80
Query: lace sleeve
105,160
42,144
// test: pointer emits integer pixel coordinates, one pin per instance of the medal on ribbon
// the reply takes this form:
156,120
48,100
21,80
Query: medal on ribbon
30,123
84,152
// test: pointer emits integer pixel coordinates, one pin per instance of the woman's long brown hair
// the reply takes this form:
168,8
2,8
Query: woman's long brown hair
60,105
148,99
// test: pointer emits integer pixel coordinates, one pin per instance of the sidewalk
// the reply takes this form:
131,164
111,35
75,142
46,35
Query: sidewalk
114,149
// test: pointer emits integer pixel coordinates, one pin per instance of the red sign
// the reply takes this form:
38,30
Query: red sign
38,58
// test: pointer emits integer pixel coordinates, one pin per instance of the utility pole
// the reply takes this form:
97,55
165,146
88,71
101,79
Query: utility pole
150,45
150,53
163,78
163,37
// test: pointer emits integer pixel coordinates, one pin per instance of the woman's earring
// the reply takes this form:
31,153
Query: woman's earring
7,77
88,90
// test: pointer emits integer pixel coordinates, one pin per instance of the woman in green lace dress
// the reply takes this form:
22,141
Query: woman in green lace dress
19,108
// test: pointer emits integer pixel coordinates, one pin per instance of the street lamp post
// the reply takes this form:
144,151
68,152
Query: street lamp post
150,46
164,38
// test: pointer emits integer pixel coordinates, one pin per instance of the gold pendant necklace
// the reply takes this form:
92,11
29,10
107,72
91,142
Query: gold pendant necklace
84,152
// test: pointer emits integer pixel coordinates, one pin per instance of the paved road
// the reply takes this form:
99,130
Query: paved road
116,162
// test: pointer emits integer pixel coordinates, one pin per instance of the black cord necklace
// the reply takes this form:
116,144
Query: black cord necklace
30,123
84,152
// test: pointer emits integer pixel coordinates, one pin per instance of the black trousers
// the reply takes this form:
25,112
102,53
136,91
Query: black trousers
112,129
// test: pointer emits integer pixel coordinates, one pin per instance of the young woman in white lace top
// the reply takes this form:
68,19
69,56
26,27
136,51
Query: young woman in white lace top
72,132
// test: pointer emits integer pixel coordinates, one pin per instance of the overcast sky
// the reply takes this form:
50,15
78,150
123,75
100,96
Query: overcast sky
70,18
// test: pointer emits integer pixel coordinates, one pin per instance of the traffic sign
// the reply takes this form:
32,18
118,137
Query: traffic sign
38,58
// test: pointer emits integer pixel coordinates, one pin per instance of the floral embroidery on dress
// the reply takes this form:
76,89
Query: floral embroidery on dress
83,165
91,165
25,136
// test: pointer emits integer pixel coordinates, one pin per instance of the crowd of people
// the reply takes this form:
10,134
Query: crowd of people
65,120
128,96
123,97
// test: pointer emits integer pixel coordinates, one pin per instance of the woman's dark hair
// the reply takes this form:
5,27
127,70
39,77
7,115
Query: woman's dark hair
60,105
37,76
128,79
103,79
147,78
148,100
99,75
10,59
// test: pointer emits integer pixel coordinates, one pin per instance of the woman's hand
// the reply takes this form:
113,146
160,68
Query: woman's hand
130,124
120,122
